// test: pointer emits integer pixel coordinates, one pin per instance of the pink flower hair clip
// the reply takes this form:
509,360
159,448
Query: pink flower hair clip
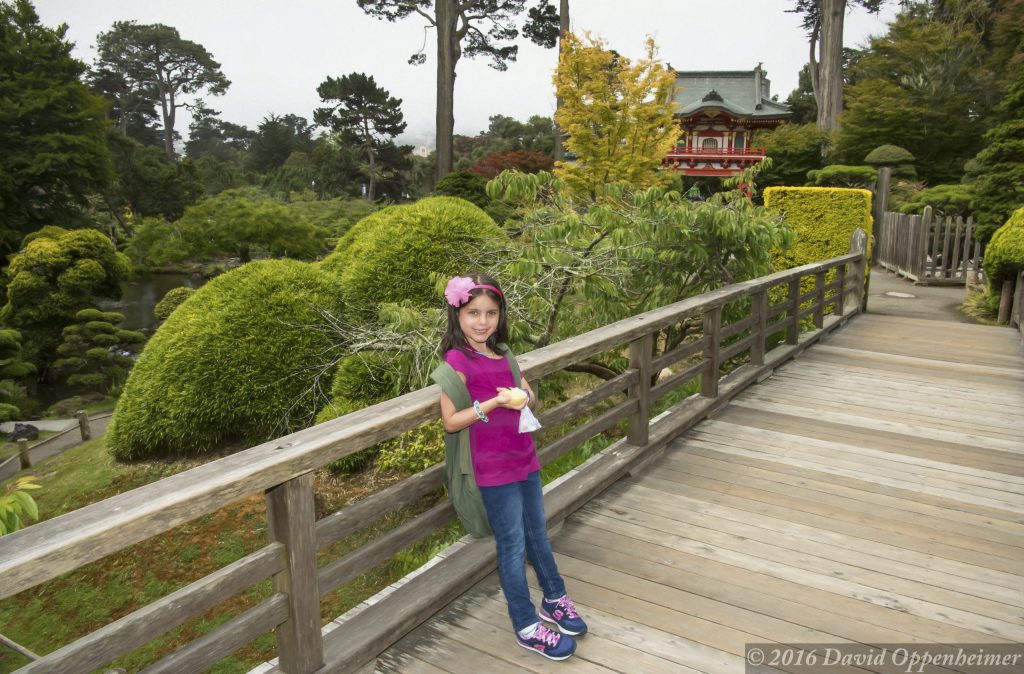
457,290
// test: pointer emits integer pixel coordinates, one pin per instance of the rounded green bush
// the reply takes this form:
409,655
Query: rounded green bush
171,301
1004,257
231,365
889,155
395,254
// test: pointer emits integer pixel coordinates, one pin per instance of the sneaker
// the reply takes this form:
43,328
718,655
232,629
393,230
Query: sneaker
548,643
562,613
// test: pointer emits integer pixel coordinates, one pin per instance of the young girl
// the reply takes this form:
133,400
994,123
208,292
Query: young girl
505,463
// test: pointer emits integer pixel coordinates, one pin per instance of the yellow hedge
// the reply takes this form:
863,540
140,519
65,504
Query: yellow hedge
823,218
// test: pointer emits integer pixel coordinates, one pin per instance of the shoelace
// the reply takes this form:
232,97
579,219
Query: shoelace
549,637
567,605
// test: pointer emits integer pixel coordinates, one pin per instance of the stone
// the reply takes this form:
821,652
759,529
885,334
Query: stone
23,432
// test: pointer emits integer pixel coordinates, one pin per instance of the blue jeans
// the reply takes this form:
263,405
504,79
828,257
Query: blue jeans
516,514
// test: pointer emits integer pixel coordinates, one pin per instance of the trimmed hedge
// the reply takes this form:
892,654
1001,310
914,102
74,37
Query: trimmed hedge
823,218
171,300
1004,257
230,365
395,254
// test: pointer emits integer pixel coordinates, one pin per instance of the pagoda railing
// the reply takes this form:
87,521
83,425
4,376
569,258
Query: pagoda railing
682,151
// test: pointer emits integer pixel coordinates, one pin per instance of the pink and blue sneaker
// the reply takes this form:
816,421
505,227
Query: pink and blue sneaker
562,613
548,643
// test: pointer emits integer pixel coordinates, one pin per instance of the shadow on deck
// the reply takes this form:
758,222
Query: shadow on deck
871,491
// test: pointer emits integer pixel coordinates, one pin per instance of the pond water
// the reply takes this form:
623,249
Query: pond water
141,294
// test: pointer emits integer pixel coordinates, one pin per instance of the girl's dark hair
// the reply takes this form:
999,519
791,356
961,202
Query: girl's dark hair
453,337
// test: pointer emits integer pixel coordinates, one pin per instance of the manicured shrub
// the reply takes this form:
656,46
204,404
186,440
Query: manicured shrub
840,175
950,199
889,155
1004,257
171,301
823,218
96,355
231,365
397,253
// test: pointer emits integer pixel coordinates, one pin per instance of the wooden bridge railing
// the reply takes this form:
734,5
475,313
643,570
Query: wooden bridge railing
929,250
283,470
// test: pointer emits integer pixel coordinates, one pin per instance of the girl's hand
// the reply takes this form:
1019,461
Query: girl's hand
511,398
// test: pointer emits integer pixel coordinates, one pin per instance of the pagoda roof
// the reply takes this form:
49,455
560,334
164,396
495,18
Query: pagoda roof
741,93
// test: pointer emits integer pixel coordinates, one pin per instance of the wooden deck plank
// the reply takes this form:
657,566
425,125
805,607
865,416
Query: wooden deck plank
706,462
863,432
871,491
824,543
994,602
867,528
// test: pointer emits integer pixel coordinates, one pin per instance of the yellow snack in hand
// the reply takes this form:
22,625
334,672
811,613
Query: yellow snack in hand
516,396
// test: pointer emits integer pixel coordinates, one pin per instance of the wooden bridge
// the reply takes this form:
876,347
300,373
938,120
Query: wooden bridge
868,492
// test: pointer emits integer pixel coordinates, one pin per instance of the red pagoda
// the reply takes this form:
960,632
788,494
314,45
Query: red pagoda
719,111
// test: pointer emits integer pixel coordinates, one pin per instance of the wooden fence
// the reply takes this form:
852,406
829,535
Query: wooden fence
930,250
282,469
1017,308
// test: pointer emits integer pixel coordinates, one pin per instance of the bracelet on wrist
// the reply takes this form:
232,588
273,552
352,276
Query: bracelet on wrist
529,397
479,412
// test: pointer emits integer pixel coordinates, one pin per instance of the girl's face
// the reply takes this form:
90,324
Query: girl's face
478,319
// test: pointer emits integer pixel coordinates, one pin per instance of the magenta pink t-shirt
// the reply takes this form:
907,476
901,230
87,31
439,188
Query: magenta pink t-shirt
501,454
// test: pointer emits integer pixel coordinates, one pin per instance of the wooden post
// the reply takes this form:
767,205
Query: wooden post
881,205
1004,302
712,350
858,244
948,226
840,296
291,520
759,309
819,300
955,259
640,360
920,253
83,425
793,314
23,456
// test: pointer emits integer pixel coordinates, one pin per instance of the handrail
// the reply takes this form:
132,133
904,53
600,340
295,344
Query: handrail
283,467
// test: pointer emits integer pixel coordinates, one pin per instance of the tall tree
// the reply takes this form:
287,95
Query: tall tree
52,128
928,70
998,170
617,116
277,137
155,61
364,112
823,20
468,28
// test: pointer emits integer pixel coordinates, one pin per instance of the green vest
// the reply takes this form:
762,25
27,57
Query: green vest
458,459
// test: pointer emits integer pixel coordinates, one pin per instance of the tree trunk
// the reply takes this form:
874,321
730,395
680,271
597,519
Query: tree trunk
830,75
448,52
372,191
563,19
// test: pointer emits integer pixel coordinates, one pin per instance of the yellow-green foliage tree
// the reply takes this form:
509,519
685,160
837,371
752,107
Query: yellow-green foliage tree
823,218
617,115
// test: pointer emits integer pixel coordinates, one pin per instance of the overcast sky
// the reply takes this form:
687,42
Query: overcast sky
276,52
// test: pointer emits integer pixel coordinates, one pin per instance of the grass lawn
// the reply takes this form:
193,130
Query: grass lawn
8,449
